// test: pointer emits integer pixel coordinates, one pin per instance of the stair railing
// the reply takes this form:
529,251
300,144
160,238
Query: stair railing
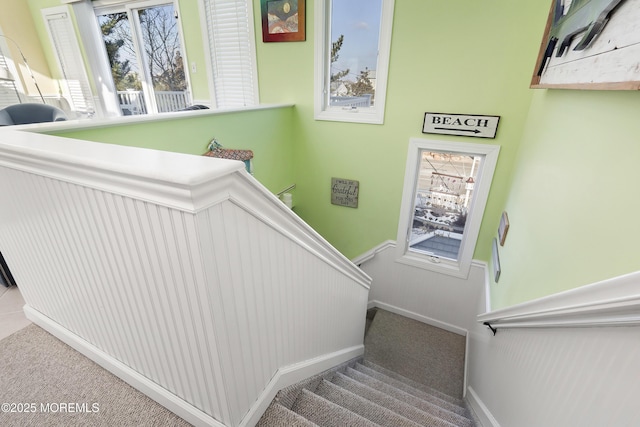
181,274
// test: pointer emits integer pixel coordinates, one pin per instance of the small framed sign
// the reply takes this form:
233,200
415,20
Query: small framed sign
461,124
344,192
495,260
503,228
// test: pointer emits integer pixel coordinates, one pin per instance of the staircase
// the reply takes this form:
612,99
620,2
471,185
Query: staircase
363,393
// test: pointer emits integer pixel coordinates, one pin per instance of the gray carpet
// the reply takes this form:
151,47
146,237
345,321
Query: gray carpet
39,370
363,393
421,352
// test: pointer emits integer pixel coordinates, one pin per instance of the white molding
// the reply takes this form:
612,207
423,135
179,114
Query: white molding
170,401
168,179
98,123
370,254
418,317
480,409
287,223
611,302
293,374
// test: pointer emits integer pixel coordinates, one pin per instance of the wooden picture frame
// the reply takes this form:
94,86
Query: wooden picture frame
503,228
283,20
590,44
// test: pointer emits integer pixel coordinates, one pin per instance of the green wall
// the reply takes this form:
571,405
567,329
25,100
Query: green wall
564,173
471,58
267,133
574,199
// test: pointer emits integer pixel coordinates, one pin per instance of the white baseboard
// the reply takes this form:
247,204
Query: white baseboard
165,398
418,317
293,374
480,409
284,377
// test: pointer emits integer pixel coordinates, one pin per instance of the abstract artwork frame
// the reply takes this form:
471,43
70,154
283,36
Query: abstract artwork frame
283,20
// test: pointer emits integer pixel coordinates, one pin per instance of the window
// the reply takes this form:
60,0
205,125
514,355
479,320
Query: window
232,58
9,83
144,48
352,54
445,192
74,82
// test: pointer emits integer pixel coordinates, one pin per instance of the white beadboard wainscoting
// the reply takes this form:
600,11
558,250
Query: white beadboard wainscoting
569,359
437,299
180,274
430,297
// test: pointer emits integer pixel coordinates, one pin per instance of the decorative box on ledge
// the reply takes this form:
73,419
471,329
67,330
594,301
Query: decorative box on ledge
218,151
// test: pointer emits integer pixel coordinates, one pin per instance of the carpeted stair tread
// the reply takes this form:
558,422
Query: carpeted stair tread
386,401
324,413
277,415
413,383
429,397
435,406
361,406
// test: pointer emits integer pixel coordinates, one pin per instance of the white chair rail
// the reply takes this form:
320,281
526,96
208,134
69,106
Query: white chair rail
612,302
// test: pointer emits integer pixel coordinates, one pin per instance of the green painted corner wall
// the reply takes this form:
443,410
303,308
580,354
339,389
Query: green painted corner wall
567,157
573,202
475,58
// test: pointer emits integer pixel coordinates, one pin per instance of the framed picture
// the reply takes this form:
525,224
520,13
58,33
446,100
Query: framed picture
590,44
283,20
495,258
503,228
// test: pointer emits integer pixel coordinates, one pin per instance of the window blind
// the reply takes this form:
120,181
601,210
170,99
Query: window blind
8,90
70,59
232,51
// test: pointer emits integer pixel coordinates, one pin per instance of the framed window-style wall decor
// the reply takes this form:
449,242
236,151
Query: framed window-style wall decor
283,20
590,44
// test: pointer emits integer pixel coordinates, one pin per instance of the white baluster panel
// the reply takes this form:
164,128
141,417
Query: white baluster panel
208,287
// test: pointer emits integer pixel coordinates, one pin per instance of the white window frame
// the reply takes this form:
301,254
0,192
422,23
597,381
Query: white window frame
323,111
224,66
74,63
459,268
6,59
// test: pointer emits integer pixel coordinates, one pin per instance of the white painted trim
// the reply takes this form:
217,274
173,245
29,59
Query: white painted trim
370,254
480,409
98,123
611,302
282,220
418,317
293,374
170,401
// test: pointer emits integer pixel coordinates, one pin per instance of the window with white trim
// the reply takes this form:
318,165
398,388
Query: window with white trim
229,30
143,44
352,59
445,192
74,83
9,84
229,44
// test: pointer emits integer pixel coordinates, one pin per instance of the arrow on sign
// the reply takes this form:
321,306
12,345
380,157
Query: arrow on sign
460,130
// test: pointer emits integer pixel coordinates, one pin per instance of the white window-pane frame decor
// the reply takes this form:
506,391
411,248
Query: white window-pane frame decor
460,266
228,31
